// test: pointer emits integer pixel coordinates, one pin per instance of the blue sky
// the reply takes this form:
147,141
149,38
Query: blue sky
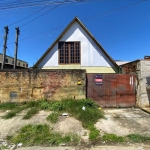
122,27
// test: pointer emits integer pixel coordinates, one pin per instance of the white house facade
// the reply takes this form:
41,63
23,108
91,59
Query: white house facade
76,48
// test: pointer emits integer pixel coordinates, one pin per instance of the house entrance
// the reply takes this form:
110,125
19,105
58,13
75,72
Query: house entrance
112,90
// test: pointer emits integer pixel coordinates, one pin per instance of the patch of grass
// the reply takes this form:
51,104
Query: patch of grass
3,147
71,139
44,105
138,138
33,103
88,117
58,106
14,112
94,133
41,135
53,117
31,112
113,138
8,106
74,107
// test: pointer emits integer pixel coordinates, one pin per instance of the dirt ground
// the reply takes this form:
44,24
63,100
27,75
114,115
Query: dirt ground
116,121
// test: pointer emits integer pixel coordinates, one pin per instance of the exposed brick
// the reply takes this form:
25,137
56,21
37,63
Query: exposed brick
25,85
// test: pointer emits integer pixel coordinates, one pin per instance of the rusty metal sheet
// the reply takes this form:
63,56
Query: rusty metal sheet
116,90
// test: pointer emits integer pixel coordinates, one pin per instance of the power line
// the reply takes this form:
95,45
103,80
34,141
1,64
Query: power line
6,6
106,13
40,16
36,34
28,16
112,11
9,52
35,13
43,13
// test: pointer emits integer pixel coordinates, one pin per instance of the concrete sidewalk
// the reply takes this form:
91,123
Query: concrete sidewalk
132,147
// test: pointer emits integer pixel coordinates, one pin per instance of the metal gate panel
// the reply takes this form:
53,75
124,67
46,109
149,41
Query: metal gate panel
125,90
110,90
116,90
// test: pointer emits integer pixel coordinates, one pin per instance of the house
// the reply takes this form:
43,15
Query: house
141,68
76,48
120,62
9,62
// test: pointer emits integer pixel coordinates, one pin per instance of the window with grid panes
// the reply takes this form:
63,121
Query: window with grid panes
69,52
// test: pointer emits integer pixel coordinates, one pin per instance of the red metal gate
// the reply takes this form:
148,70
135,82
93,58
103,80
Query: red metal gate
111,90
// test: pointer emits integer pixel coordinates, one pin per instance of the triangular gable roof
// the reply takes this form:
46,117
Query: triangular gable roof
65,30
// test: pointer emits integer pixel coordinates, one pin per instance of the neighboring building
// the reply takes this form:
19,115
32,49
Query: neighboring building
76,48
9,62
141,68
120,62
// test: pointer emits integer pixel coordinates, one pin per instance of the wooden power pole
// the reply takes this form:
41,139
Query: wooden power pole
16,47
5,46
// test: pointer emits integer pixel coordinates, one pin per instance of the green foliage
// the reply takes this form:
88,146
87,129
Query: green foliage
9,115
31,112
94,133
74,107
58,106
14,112
71,139
41,134
8,106
89,103
53,117
33,104
113,138
44,105
138,138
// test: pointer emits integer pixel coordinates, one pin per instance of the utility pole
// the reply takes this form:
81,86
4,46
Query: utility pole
16,46
5,46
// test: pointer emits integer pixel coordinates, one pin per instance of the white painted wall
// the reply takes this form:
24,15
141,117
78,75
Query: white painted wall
91,55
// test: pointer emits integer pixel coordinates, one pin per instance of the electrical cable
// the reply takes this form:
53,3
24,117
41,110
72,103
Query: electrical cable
107,13
6,6
37,34
112,11
9,52
28,16
40,15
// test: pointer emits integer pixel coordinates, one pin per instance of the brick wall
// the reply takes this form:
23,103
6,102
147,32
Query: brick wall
25,85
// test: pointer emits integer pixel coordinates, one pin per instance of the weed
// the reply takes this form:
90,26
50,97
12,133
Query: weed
33,104
3,147
94,133
58,106
8,106
71,139
53,117
9,115
89,103
41,134
138,138
74,107
31,112
113,138
14,112
44,105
